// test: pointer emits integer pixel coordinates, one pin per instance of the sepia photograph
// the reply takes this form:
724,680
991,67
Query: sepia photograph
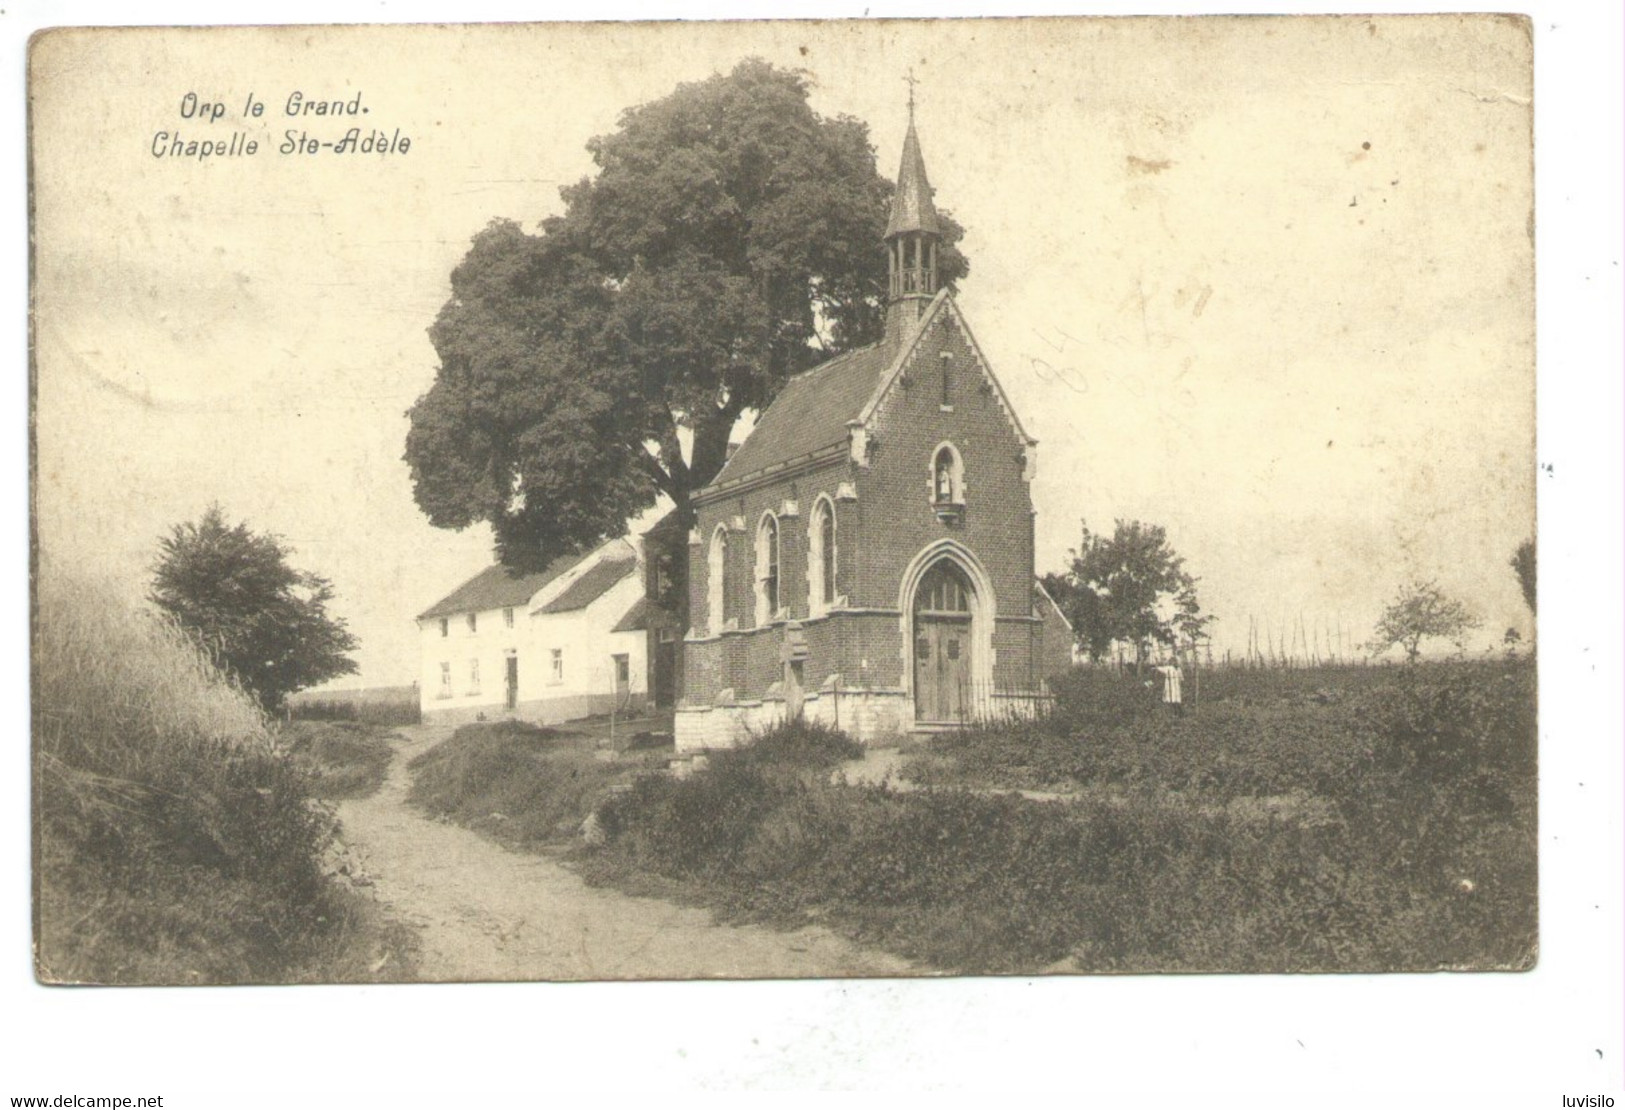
773,500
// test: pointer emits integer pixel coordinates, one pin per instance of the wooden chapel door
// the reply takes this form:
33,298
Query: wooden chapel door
942,645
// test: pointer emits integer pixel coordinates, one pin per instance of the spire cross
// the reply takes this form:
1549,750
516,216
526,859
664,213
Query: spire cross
911,83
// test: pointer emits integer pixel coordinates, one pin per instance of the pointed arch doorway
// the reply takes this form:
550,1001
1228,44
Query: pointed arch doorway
943,645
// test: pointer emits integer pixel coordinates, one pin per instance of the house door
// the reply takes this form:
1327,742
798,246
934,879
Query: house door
512,683
942,646
623,679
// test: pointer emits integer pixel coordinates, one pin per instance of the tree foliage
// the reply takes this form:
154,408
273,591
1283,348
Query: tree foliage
731,237
262,621
1129,588
1421,611
1523,565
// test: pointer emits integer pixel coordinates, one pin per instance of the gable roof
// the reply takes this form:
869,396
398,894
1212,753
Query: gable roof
1043,592
943,303
814,409
497,587
592,585
810,413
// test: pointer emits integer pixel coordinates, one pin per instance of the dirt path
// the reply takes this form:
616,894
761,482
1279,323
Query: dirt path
485,913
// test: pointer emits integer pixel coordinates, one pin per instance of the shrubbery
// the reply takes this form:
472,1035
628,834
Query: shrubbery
523,785
1398,855
344,759
175,843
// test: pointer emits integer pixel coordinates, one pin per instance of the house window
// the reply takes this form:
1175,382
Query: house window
767,569
716,569
507,616
558,664
473,676
445,680
821,558
623,671
445,626
473,622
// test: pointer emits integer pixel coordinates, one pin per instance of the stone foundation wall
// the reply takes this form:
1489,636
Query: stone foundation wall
876,716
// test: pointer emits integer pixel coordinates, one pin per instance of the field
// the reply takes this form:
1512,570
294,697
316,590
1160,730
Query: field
375,705
176,838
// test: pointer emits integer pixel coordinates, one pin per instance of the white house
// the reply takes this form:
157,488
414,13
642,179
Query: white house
567,642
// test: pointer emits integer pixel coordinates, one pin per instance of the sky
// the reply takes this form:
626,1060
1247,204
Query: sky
1265,282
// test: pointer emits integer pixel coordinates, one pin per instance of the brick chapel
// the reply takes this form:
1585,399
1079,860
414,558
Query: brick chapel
865,558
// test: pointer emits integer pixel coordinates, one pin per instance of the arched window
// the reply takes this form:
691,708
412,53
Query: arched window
821,558
944,591
767,569
716,570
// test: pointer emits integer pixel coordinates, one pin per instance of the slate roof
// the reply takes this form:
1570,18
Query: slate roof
593,584
911,206
496,587
811,411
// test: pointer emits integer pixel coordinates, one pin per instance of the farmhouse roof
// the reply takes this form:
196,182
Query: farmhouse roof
592,585
636,618
497,587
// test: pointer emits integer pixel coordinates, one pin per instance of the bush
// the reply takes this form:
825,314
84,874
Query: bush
524,786
800,743
175,843
344,759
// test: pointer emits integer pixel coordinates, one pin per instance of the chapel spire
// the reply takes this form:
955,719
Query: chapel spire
913,233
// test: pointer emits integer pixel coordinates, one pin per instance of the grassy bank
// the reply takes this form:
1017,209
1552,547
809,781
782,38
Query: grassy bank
343,759
175,842
524,786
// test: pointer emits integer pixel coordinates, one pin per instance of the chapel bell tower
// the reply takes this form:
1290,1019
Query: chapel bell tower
913,235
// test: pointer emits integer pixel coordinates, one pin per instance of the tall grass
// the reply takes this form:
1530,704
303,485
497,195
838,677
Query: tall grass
174,841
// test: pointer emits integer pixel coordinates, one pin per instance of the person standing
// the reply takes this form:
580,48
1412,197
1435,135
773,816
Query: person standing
1173,694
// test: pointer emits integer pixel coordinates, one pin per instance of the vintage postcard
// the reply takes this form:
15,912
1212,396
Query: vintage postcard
783,499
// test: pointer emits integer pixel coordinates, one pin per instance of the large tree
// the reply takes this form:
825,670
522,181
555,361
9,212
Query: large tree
1129,588
1421,611
263,622
731,237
